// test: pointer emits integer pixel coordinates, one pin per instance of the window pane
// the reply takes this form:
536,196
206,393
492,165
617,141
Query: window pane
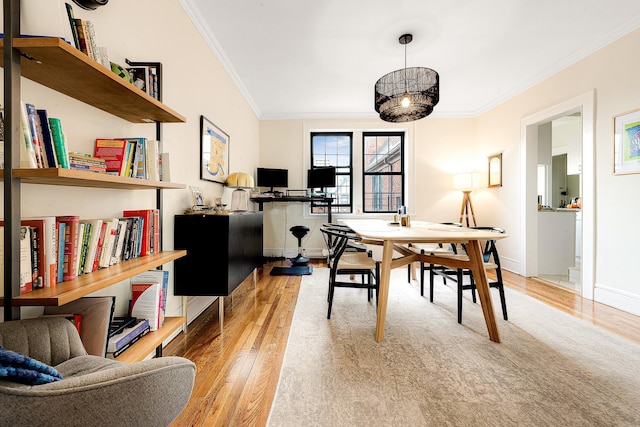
383,175
334,149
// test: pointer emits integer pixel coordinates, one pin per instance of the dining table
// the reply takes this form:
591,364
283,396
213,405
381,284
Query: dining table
395,240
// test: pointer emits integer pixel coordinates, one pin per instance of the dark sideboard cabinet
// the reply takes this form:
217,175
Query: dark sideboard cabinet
222,250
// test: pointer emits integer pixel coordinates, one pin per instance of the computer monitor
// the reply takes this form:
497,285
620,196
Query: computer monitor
272,178
321,177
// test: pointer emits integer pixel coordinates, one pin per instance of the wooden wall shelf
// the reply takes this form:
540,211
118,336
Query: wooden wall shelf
86,284
57,65
148,343
80,178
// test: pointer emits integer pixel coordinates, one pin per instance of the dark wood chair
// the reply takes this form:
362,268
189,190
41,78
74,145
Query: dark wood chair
491,262
342,260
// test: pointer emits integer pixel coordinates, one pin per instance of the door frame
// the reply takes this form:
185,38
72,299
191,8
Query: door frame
585,104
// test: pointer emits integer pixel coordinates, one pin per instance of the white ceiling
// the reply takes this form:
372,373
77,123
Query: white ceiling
321,58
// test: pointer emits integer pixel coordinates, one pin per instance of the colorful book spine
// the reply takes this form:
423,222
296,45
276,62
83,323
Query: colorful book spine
47,138
27,152
32,120
59,142
72,226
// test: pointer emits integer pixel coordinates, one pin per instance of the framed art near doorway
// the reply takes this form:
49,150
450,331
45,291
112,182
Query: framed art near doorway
495,170
626,142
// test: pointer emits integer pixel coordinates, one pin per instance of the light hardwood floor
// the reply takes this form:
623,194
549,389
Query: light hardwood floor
238,368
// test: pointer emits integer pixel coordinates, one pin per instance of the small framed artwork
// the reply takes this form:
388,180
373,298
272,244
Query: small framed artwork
197,200
214,152
495,170
626,143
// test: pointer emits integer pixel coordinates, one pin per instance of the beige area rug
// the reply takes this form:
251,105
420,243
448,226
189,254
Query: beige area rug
551,369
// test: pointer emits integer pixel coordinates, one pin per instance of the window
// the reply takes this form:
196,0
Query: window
383,171
334,149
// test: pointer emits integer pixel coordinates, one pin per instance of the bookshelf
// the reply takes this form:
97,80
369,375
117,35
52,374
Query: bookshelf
57,65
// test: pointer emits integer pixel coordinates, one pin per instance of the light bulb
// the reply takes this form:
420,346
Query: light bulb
406,101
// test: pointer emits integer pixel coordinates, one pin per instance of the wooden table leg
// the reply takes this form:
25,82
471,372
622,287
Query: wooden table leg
383,288
482,284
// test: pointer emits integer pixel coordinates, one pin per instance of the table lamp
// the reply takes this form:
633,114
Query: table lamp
240,197
466,182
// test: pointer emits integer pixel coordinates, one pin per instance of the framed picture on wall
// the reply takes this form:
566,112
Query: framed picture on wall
495,170
626,143
214,152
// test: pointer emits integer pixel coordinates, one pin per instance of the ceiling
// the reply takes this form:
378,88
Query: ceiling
321,58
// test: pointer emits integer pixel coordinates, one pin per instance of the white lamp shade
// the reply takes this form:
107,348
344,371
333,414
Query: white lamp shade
467,181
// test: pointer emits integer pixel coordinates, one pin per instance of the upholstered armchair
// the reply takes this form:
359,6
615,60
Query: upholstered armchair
94,390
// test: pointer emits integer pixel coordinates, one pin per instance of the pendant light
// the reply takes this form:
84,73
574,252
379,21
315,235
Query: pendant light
408,94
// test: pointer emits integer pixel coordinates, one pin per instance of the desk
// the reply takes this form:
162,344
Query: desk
392,238
299,199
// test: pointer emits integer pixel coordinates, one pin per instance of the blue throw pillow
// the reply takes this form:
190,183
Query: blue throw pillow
23,369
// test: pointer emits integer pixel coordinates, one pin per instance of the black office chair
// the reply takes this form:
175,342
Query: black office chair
343,262
430,248
299,231
491,262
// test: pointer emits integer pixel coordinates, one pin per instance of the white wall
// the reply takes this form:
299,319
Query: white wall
444,146
194,83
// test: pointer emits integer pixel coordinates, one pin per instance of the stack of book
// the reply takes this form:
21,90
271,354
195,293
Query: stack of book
124,332
130,157
87,162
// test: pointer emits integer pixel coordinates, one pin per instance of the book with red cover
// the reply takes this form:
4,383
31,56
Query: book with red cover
146,303
41,279
114,152
72,223
100,244
146,215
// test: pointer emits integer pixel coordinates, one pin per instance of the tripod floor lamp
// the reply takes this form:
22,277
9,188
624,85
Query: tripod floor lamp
465,182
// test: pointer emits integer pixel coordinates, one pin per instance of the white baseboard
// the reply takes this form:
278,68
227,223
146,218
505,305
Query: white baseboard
618,299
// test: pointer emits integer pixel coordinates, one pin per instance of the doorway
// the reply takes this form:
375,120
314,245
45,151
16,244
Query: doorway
530,130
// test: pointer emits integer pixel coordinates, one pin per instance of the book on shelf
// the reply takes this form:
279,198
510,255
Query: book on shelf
75,319
165,167
95,227
114,154
32,120
87,162
160,277
126,244
59,142
85,231
61,229
153,160
119,323
40,268
96,259
109,240
146,303
70,263
49,243
147,228
128,334
116,254
116,353
26,284
47,138
72,25
27,150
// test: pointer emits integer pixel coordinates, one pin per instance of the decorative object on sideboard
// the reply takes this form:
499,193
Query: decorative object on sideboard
626,140
407,94
214,152
242,182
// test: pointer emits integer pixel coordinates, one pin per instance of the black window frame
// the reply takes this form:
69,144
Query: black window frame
337,207
402,172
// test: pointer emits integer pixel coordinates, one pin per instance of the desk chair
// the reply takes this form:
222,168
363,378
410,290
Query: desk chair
491,262
429,248
342,262
299,231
